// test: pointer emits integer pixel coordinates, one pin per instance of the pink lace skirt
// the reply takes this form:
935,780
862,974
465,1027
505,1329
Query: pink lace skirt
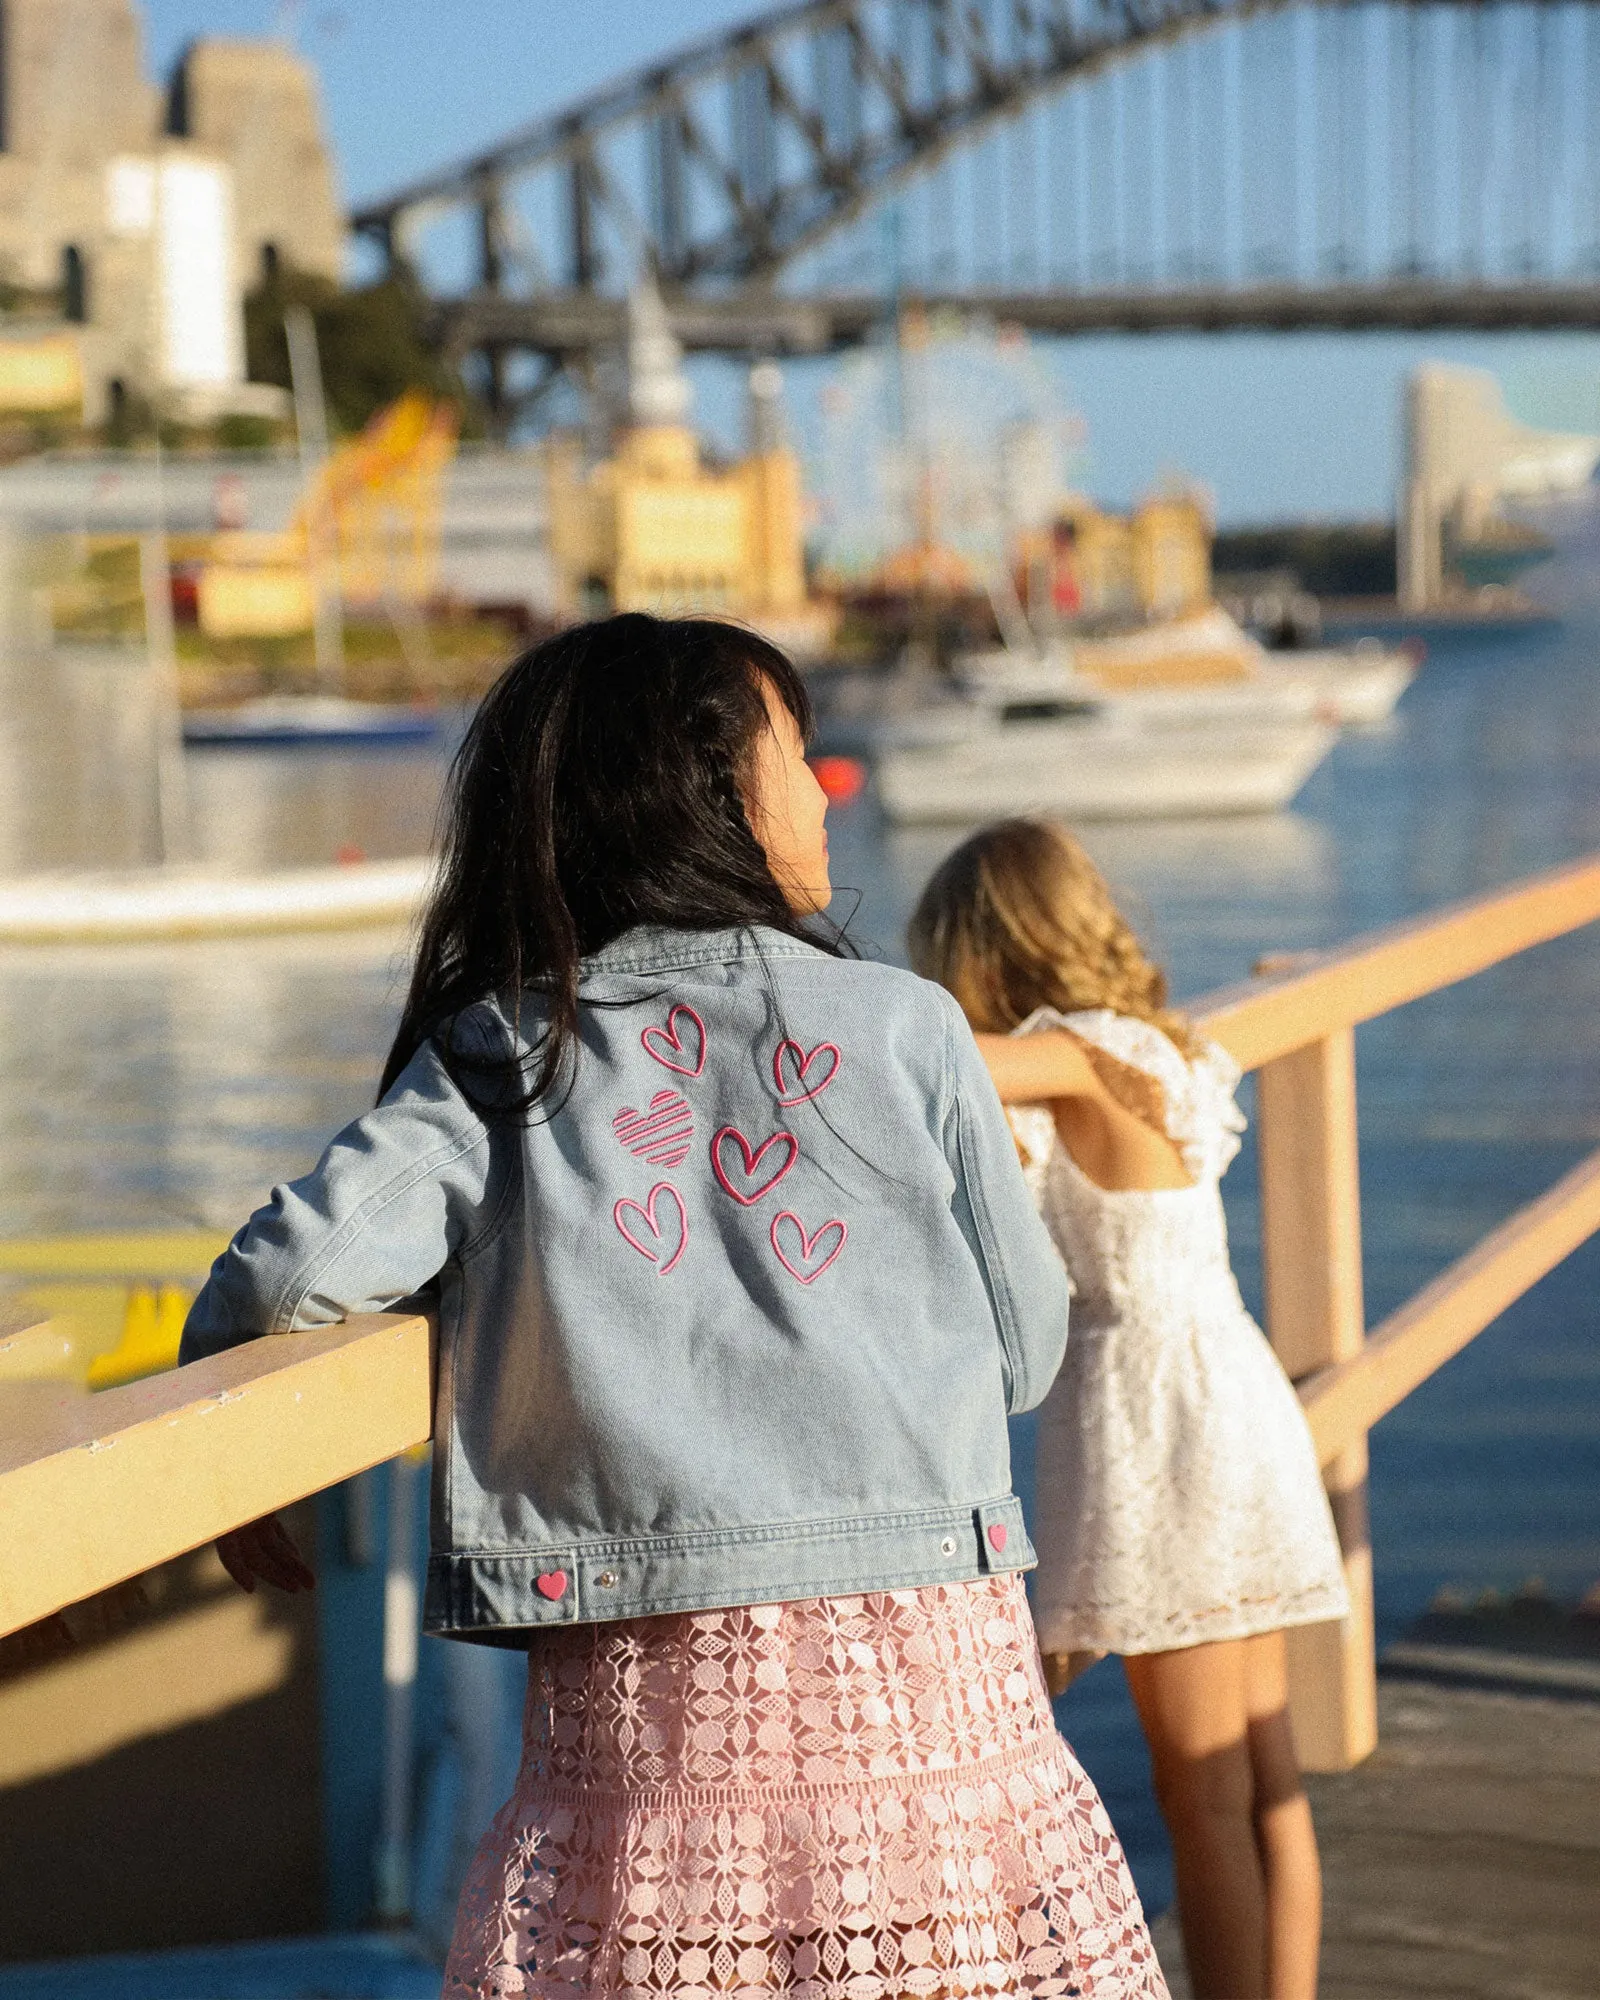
862,1797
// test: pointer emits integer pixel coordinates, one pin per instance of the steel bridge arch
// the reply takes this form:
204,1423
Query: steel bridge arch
718,170
859,65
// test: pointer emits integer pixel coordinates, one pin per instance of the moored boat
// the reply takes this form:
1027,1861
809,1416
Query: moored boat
1359,684
967,760
1201,668
146,904
290,721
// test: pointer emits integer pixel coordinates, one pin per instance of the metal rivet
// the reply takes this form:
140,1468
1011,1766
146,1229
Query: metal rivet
948,1545
606,1579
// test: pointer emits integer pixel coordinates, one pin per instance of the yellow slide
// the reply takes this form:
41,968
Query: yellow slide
112,1305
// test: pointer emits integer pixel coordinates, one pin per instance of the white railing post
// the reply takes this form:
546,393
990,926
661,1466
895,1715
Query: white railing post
1311,1269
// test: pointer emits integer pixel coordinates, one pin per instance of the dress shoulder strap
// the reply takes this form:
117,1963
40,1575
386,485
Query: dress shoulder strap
1190,1099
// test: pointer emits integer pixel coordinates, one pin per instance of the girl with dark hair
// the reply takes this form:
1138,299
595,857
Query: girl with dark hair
736,1278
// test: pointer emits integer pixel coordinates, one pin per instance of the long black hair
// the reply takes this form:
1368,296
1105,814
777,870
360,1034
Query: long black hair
600,785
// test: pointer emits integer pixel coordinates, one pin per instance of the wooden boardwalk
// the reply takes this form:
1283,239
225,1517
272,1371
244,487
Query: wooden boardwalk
1462,1860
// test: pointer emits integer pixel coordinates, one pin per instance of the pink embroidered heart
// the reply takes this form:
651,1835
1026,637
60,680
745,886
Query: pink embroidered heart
663,1134
825,1056
811,1255
751,1175
674,1237
997,1537
659,1040
552,1584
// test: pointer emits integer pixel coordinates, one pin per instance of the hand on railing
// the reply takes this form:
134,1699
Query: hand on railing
265,1549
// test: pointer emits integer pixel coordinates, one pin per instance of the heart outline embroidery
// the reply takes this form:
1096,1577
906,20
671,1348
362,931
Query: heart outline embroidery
646,1211
552,1585
808,1245
804,1058
660,1136
753,1156
669,1036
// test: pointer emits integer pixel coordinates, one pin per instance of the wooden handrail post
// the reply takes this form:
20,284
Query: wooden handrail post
1311,1269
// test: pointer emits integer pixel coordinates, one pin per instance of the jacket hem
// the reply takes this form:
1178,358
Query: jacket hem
492,1596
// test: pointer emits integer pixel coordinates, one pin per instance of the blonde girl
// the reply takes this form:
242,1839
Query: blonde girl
1181,1520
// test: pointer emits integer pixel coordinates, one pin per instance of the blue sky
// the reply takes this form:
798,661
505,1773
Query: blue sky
1277,426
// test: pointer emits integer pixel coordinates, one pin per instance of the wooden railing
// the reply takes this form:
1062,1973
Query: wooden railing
97,1489
1296,1026
94,1489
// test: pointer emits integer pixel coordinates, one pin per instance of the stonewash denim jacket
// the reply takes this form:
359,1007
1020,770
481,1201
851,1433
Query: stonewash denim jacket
739,1321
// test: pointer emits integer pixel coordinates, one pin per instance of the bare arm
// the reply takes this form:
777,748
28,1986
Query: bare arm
1112,1144
1032,1069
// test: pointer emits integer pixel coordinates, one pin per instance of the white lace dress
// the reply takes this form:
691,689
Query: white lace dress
1178,1498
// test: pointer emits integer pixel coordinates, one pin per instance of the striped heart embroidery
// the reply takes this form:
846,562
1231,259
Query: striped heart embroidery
665,1244
667,1046
660,1136
803,1087
751,1175
806,1257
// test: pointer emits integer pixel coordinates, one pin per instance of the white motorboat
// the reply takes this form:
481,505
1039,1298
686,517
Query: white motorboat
144,904
1198,669
972,759
1360,683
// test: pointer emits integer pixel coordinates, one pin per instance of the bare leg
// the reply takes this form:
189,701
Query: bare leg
1287,1840
1062,1669
1193,1709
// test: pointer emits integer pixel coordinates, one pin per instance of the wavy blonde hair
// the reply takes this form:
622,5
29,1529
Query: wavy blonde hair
1019,917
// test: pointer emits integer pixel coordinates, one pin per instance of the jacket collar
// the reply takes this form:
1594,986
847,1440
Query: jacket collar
652,948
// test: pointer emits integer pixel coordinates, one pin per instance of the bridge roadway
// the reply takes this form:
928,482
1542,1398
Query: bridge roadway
566,323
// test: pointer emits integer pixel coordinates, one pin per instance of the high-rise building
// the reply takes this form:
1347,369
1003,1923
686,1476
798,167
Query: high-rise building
139,215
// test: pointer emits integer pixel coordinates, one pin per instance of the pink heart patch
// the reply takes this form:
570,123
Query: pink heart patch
997,1537
657,1041
811,1254
791,1056
552,1584
660,1136
748,1177
674,1237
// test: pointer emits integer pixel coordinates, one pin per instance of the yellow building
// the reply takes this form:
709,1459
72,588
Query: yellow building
1171,555
653,529
41,374
1152,563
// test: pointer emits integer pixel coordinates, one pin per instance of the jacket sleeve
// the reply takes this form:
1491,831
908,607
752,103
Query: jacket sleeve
395,1196
1026,1280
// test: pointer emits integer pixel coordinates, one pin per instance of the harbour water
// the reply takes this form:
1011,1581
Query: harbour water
168,1086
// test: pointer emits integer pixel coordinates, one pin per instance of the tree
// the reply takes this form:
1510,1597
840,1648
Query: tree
371,341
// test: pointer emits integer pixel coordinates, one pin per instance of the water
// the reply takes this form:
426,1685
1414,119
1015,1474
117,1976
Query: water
161,1086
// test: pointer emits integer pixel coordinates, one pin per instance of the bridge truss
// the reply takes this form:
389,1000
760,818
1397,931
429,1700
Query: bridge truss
1069,165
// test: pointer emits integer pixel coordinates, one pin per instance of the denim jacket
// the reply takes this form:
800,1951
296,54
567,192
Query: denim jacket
738,1321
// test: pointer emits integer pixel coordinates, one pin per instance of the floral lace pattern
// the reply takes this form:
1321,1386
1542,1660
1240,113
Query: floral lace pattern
1171,1411
838,1799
